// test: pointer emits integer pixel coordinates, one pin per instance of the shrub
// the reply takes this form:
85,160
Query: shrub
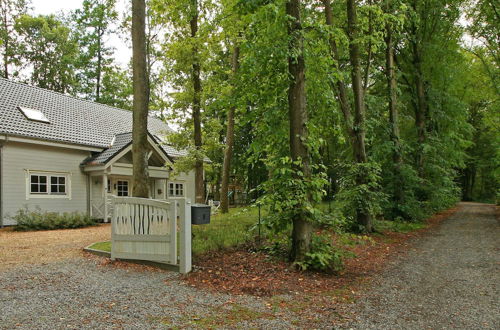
324,256
39,220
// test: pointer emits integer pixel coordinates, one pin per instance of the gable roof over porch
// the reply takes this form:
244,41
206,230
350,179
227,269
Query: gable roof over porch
122,144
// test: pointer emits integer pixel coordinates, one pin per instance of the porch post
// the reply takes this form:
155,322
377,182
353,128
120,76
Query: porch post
105,195
89,185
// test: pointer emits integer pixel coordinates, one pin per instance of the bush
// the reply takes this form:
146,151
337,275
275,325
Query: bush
324,256
39,220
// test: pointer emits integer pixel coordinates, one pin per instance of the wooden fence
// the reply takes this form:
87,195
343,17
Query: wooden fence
147,229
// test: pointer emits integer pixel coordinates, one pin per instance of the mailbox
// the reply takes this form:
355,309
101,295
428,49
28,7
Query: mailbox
200,214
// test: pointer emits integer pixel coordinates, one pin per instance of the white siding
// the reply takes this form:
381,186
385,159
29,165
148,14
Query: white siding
188,180
20,157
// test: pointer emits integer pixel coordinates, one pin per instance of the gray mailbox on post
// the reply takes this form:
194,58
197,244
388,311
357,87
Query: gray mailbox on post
200,214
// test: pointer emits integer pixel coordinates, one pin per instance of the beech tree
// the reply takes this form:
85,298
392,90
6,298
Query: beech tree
140,145
302,226
228,151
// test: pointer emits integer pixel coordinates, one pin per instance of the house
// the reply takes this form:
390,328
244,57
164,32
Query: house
64,154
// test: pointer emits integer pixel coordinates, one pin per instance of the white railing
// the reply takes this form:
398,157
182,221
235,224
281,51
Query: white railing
146,229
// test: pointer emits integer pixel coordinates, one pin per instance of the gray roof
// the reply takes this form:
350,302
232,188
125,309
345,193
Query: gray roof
120,142
72,120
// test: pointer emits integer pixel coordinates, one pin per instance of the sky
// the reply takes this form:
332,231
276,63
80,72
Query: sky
122,52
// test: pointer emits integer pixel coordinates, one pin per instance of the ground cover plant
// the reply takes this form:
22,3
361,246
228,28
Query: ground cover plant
40,220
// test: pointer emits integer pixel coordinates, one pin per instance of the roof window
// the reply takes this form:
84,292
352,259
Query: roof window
34,114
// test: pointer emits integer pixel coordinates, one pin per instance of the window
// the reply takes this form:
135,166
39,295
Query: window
47,184
38,184
122,188
175,189
57,184
34,115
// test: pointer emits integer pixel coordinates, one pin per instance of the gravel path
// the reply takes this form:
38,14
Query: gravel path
450,279
84,294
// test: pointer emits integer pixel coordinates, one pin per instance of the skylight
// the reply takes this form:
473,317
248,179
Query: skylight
34,114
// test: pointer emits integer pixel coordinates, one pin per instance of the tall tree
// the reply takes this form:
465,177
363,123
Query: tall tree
48,52
363,216
140,144
484,16
302,227
93,24
392,96
228,152
354,113
196,105
10,11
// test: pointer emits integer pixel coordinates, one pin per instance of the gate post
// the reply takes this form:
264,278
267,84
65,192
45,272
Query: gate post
185,265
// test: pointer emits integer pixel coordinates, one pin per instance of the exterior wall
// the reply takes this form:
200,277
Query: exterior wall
188,180
18,158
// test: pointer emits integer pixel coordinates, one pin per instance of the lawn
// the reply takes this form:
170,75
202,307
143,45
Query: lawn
225,230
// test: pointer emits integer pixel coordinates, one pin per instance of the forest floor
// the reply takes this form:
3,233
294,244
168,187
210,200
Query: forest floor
444,276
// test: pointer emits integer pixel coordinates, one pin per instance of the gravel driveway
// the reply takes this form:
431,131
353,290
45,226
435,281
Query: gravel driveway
450,279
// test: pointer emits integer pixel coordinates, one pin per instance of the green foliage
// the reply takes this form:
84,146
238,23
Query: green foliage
335,219
49,49
367,195
10,11
226,230
324,256
92,25
37,220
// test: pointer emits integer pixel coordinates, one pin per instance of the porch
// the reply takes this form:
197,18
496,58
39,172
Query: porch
102,186
110,174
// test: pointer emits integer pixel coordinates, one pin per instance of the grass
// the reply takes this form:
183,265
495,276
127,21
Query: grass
101,246
225,230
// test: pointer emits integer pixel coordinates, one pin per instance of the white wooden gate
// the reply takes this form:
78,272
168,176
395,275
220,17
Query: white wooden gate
146,229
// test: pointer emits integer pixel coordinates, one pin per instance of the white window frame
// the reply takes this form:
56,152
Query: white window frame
175,187
48,194
118,187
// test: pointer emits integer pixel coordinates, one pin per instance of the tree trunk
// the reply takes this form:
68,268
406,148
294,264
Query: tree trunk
195,76
228,152
140,145
393,116
99,67
421,98
468,182
339,88
302,228
363,217
6,44
421,109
